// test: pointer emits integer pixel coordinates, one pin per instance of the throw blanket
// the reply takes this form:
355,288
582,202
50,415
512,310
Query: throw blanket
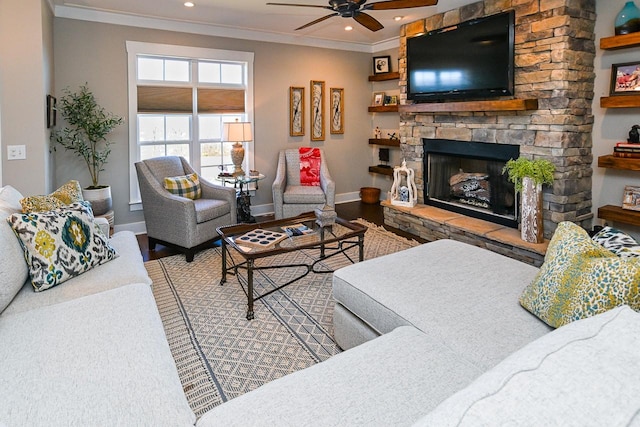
309,166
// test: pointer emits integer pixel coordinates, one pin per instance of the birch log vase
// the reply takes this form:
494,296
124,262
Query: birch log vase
531,225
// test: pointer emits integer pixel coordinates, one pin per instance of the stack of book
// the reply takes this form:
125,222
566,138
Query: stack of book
626,149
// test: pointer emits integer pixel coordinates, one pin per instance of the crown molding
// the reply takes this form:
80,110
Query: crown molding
106,17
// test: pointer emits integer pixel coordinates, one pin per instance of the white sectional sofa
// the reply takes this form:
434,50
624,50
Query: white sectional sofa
90,351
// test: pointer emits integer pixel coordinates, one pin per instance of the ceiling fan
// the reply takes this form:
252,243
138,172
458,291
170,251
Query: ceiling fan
355,9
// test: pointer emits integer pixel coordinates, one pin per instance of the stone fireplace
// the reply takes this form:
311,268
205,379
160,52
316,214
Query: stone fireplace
554,59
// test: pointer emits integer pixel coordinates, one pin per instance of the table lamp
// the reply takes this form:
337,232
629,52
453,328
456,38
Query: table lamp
237,132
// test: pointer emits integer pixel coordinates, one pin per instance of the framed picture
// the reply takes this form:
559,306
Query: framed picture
378,99
51,111
391,100
296,111
381,64
337,110
625,78
317,110
631,198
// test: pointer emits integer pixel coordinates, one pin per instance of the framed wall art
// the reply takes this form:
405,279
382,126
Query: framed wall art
381,64
317,110
625,78
296,111
337,110
378,99
631,198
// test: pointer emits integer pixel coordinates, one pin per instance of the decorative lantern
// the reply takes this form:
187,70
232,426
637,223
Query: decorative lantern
403,191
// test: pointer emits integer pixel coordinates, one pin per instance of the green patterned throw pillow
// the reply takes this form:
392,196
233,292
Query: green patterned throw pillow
61,243
579,278
186,186
618,242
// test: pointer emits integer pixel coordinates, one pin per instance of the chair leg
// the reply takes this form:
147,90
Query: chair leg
152,243
189,254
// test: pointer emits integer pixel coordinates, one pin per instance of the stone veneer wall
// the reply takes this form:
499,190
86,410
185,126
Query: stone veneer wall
554,59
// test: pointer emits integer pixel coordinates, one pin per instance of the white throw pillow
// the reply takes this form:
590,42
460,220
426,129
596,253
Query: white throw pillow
13,267
582,374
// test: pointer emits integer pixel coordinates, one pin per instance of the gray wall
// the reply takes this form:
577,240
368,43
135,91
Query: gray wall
610,125
95,53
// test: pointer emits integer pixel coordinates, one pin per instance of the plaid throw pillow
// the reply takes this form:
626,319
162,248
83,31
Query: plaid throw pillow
185,186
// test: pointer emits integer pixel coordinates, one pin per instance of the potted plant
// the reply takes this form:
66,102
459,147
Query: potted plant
528,176
87,127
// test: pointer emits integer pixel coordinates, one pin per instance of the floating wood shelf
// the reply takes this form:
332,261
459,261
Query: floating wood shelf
495,105
613,162
620,101
386,142
381,170
620,42
384,109
384,76
617,214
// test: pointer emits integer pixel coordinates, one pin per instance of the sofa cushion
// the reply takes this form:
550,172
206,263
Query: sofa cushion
580,278
446,289
185,186
373,384
618,242
127,268
582,374
13,269
60,244
97,360
69,193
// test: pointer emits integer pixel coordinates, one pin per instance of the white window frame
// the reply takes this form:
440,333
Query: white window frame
135,49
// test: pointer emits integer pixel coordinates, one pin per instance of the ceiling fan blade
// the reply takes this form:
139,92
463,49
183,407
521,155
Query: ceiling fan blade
399,4
368,21
317,21
299,5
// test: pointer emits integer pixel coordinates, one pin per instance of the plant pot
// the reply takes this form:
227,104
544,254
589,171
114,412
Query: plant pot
100,199
531,226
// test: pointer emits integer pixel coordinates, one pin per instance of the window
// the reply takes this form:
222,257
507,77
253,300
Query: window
179,98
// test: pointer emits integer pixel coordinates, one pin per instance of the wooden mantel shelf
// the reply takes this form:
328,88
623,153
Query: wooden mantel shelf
620,42
494,105
613,162
617,214
620,101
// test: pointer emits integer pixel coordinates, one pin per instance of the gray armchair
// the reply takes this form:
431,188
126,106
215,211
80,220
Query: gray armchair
178,222
289,197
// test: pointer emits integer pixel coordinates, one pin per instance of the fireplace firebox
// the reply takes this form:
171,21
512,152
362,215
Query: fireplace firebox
466,177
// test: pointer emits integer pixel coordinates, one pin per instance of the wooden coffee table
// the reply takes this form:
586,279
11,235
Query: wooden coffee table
331,241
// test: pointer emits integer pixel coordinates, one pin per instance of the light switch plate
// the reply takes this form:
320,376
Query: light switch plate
16,152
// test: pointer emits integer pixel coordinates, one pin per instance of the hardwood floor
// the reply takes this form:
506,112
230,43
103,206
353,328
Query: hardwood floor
350,211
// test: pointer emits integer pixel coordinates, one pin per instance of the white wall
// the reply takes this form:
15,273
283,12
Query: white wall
610,125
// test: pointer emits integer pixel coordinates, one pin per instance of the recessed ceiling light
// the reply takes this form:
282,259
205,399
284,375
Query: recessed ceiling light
398,18
189,4
348,28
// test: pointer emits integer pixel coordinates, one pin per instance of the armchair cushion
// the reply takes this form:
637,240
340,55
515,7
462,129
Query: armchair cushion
303,194
208,209
185,186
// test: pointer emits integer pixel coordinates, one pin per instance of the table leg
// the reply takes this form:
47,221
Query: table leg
243,202
321,242
361,248
224,262
250,289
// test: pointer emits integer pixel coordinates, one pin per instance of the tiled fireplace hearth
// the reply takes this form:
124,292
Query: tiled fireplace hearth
554,66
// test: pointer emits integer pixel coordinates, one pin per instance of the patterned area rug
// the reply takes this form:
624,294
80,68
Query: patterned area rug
219,354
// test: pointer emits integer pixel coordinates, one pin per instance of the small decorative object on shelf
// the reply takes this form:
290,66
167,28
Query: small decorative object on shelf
392,135
634,135
377,133
253,173
403,191
628,19
631,198
625,79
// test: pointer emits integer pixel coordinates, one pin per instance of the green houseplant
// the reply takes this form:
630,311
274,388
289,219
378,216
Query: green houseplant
528,177
85,134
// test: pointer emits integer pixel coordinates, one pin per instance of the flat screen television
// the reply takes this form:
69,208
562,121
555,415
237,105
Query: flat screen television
473,59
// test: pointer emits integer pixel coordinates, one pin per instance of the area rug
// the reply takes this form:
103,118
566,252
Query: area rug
218,352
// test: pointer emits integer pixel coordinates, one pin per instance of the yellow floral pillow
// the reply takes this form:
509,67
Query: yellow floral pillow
60,244
579,278
69,193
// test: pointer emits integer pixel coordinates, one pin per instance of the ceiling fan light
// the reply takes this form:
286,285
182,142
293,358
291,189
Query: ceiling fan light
189,4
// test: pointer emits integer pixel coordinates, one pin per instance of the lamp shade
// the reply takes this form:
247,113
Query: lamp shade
237,132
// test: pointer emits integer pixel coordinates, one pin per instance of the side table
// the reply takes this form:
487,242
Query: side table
243,199
109,216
